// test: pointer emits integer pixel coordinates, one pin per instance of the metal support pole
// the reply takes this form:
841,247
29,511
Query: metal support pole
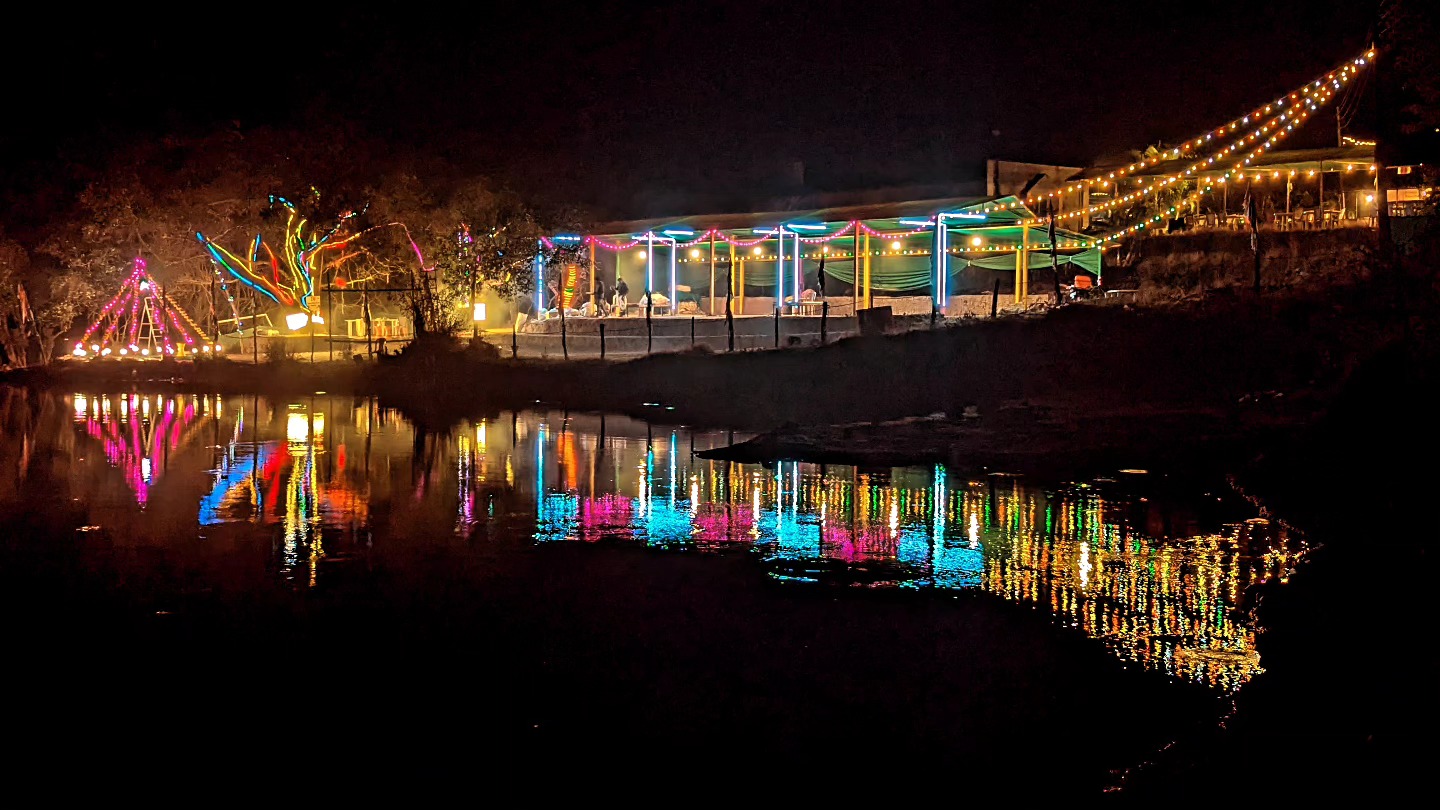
855,282
869,297
779,277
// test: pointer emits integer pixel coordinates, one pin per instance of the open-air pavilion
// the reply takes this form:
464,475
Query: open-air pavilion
764,262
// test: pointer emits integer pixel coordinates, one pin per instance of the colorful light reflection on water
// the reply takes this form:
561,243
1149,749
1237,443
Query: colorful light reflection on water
1168,601
1156,588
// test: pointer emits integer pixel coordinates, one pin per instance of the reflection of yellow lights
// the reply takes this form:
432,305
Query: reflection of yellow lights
82,406
297,428
319,425
480,436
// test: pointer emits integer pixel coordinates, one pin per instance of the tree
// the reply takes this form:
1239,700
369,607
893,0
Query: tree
14,267
480,240
38,307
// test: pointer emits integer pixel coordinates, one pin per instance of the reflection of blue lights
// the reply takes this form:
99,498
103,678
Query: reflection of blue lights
556,514
663,524
556,519
235,467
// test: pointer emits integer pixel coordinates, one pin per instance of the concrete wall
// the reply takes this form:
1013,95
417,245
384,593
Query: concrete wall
963,306
625,337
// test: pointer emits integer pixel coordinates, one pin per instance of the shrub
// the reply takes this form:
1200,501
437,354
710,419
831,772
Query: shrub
279,351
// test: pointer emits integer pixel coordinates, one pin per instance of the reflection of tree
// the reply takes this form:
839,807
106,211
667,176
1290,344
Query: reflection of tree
36,447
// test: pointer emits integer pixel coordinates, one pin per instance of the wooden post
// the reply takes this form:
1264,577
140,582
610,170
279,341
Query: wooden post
1256,254
649,336
255,327
365,320
712,273
602,340
564,337
995,299
729,292
692,330
1340,187
330,319
514,339
777,327
595,303
824,316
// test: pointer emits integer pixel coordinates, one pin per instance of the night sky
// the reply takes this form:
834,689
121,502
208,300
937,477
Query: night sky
676,107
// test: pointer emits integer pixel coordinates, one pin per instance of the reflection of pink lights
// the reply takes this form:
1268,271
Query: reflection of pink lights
141,458
869,543
602,514
723,523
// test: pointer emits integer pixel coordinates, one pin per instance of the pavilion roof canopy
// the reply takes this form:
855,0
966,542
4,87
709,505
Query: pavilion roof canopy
881,216
999,227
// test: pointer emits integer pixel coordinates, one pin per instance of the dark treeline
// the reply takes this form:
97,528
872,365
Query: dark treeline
70,231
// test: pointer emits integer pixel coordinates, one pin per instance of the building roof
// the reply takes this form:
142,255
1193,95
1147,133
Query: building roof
1333,158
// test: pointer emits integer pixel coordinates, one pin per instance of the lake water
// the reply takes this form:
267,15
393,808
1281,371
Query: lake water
602,547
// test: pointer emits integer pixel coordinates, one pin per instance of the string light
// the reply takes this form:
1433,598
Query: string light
1294,113
1302,104
140,301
